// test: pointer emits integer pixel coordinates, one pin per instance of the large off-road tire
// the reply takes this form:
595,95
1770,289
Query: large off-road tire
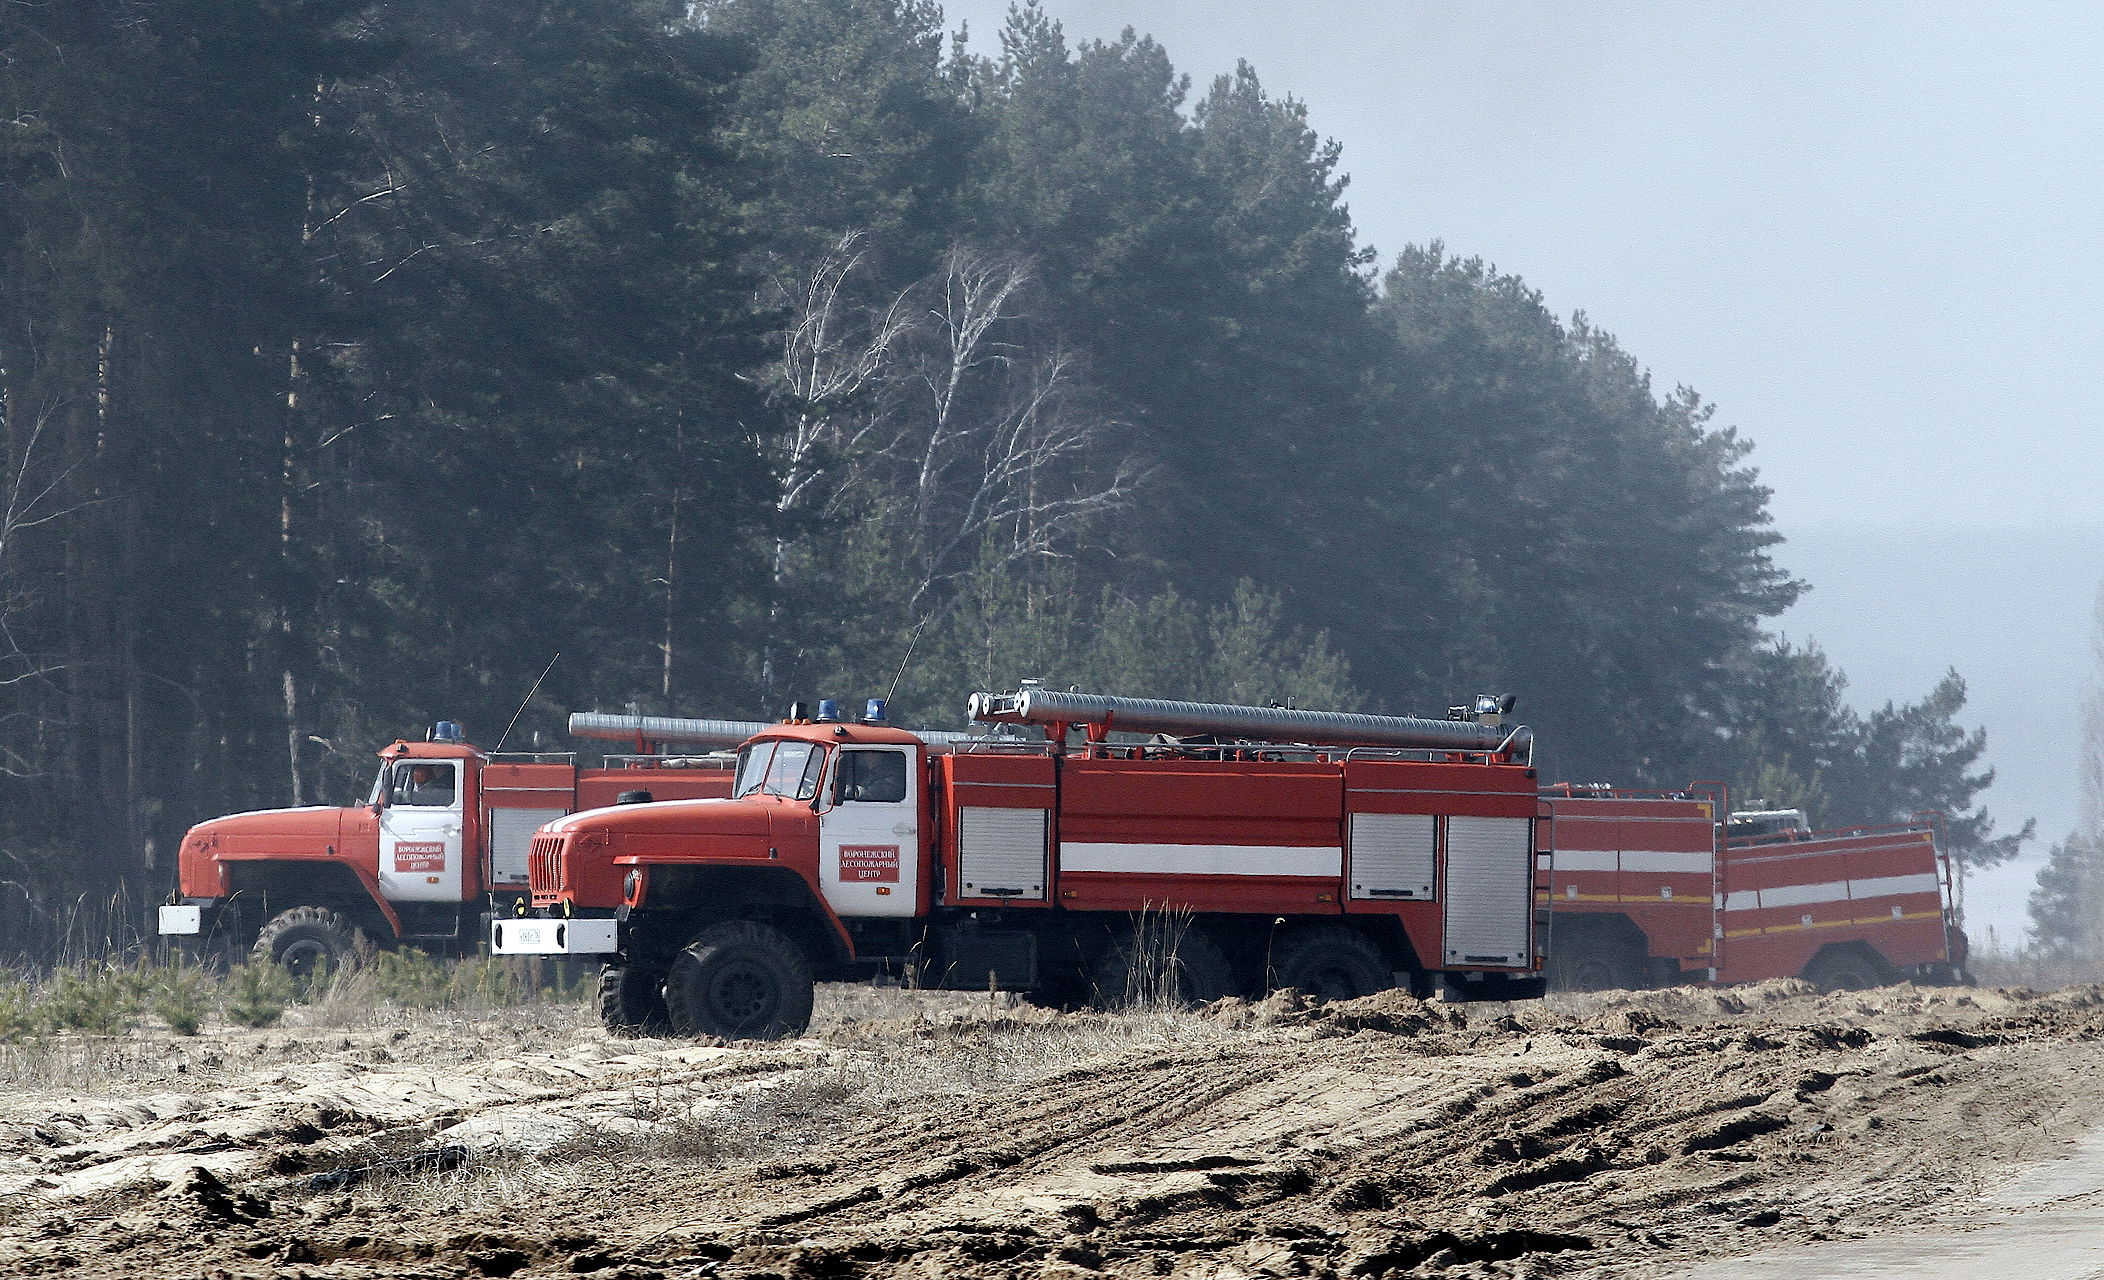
1595,964
1330,962
632,1001
740,980
311,943
1849,968
1177,968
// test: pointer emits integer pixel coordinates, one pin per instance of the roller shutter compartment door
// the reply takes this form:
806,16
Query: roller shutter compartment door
1394,856
510,838
1489,890
1001,852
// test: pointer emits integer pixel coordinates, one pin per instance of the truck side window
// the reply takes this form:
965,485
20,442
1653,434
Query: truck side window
424,784
872,776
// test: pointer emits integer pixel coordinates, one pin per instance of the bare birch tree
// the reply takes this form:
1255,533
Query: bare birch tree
32,493
942,415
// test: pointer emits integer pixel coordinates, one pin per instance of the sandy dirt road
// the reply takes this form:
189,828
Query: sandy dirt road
1649,1135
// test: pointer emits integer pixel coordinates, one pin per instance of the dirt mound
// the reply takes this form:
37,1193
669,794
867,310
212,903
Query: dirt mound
1622,1135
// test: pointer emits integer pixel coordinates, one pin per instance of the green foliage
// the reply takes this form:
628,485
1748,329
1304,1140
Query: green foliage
411,979
18,1010
2067,907
1007,626
257,994
180,994
96,998
481,982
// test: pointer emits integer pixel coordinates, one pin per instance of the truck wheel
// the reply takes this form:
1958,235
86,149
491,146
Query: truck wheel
311,943
1595,968
740,980
1848,969
1138,973
632,1001
1330,962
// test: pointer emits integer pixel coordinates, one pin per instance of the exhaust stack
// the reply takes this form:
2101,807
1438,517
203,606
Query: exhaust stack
1263,724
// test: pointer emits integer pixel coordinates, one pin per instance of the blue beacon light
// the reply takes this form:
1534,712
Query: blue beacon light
828,709
874,713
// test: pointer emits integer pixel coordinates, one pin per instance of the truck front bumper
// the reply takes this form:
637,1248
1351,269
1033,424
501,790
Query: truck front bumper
537,936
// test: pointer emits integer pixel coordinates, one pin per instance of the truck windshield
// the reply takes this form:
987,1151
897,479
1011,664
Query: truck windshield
752,768
794,763
787,769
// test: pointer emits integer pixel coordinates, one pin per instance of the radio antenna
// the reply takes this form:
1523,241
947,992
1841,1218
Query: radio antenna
522,703
908,658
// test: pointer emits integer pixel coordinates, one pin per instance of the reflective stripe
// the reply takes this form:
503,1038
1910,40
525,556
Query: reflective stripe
1884,886
1204,859
1646,860
1661,860
1795,895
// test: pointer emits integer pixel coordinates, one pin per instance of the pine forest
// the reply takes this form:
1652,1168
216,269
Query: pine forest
357,359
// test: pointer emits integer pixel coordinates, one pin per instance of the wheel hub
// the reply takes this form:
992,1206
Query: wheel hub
743,994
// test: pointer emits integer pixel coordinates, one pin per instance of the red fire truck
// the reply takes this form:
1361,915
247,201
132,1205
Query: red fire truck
441,840
1242,848
1645,888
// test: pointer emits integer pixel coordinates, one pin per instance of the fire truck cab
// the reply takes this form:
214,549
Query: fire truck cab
1098,872
439,843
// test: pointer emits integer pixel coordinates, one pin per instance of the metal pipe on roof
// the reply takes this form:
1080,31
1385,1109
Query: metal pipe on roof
1267,724
709,733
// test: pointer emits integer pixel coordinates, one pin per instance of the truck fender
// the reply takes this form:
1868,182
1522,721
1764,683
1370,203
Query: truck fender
713,888
366,880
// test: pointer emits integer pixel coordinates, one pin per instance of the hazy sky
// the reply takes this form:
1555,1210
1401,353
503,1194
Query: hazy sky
1869,232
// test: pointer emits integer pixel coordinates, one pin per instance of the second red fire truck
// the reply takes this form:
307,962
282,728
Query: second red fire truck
1240,849
439,843
1649,887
